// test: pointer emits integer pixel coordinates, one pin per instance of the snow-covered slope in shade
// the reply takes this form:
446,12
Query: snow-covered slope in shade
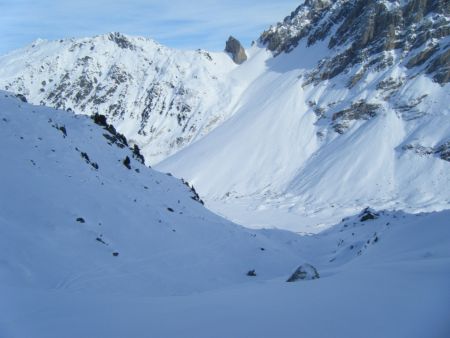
69,203
162,99
95,246
338,119
183,273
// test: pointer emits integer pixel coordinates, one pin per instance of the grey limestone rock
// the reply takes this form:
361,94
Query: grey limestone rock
234,47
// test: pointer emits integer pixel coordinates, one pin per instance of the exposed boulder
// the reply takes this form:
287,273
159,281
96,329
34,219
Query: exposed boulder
304,272
368,214
22,98
251,273
100,120
127,162
234,47
360,110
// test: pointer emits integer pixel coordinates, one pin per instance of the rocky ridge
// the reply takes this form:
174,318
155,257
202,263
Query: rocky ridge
160,98
365,34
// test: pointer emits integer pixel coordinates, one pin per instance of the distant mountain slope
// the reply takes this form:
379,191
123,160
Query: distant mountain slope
341,105
350,110
80,212
161,98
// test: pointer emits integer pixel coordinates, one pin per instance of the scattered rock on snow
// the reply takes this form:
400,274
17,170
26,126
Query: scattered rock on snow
22,98
251,273
304,272
126,162
368,214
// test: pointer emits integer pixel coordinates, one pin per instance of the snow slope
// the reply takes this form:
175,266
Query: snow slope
92,248
276,154
62,219
326,129
342,105
160,98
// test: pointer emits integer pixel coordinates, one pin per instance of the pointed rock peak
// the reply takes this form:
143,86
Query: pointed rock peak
121,40
234,47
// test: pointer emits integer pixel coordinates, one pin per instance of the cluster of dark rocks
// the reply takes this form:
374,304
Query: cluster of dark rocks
361,31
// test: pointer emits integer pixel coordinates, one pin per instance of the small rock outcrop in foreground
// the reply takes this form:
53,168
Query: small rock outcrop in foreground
304,272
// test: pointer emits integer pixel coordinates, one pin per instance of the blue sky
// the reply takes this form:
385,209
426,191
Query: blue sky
176,23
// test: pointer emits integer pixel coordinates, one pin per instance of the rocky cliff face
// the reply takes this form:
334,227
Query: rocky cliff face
164,100
351,109
344,103
236,50
364,33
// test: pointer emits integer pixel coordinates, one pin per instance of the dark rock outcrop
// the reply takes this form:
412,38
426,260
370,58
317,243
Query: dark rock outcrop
304,272
121,41
360,110
363,32
367,215
444,151
251,273
22,98
234,47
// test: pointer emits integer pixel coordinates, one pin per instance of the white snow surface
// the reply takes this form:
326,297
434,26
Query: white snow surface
160,98
258,144
164,238
275,163
183,273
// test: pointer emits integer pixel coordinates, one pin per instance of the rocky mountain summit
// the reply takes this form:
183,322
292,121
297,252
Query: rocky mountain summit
365,33
344,103
236,50
351,108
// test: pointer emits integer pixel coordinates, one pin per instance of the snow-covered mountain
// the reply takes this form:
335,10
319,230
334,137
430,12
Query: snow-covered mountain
350,108
344,104
162,99
96,244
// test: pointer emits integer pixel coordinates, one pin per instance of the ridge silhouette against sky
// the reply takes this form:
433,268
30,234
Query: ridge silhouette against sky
178,23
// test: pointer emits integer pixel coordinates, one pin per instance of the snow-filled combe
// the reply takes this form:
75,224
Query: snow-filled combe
263,145
69,203
330,143
279,162
95,246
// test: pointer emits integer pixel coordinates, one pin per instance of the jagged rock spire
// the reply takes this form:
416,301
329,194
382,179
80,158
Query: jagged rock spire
234,47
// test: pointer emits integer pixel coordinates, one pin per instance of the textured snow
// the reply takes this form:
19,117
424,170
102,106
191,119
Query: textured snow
167,242
275,163
126,81
182,272
95,243
259,145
